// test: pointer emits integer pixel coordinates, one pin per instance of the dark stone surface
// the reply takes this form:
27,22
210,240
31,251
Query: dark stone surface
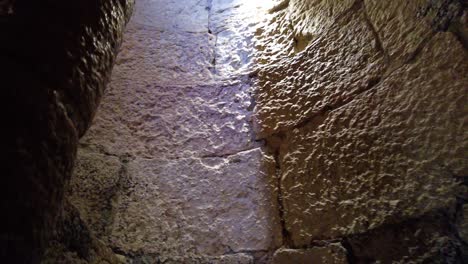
55,60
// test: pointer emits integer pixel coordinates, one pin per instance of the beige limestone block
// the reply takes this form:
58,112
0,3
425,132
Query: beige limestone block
193,206
391,154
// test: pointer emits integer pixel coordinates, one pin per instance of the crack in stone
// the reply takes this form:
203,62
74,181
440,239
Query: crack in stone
373,82
209,7
378,42
286,237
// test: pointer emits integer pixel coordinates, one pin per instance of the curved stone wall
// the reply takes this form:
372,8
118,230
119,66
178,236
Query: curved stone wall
364,104
56,58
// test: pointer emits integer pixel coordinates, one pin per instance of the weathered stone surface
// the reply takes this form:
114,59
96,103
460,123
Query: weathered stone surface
310,18
330,254
360,102
326,75
145,53
364,105
74,242
197,187
274,39
168,121
193,206
234,24
56,58
93,188
389,155
405,26
173,15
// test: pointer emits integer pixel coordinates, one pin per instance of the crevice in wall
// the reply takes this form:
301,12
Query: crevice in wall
209,8
101,150
273,144
350,257
378,42
413,56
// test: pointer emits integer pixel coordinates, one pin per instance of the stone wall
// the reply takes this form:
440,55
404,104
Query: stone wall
363,103
55,60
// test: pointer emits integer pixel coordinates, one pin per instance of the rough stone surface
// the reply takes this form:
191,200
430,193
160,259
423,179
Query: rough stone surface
151,54
94,198
361,105
387,152
208,206
175,121
171,172
404,27
73,242
330,254
56,58
365,106
294,90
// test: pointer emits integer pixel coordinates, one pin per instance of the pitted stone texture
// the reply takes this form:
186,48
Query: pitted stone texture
330,254
197,189
93,186
163,57
192,15
311,18
326,75
274,39
193,206
160,121
403,26
293,24
389,155
234,23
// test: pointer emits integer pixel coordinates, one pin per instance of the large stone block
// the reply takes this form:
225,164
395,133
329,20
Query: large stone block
393,153
193,206
152,56
234,24
172,121
327,74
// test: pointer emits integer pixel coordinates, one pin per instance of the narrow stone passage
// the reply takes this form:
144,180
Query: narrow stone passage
170,171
